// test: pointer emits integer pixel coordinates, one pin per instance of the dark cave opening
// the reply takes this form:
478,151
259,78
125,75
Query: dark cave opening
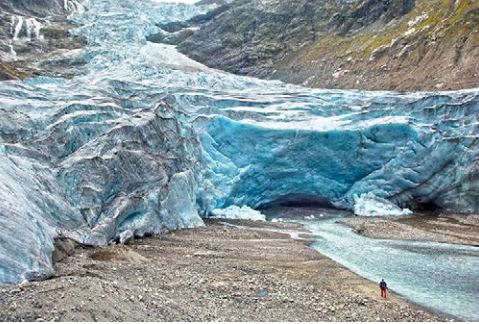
429,207
298,201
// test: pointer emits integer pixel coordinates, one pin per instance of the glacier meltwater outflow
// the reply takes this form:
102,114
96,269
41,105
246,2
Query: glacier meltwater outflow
436,275
144,140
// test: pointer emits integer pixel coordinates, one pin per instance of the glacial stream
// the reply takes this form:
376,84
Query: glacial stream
439,276
144,140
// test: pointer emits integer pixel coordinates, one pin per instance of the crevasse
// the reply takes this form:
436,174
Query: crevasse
144,140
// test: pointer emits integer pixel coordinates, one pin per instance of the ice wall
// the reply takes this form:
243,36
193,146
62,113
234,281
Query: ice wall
409,149
99,158
97,174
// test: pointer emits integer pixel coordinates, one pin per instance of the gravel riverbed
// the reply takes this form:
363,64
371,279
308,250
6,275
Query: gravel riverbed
455,229
254,272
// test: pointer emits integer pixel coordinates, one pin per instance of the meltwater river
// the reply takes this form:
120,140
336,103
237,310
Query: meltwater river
443,277
439,276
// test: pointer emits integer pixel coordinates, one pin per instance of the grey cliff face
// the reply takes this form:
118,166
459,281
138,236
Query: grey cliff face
358,44
39,8
247,36
364,13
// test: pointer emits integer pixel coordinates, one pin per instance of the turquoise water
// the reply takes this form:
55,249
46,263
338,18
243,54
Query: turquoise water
439,276
442,277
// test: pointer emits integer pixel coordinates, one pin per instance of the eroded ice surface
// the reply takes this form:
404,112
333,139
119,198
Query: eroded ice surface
145,140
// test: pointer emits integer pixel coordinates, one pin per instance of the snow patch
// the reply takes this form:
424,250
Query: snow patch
73,6
32,27
418,20
13,53
410,31
168,55
18,27
370,205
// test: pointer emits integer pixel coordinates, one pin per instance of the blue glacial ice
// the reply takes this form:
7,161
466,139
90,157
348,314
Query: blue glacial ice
145,140
410,149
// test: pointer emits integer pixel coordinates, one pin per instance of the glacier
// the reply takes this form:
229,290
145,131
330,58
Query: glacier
144,140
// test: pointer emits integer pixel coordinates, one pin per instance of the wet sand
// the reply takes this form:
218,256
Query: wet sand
215,273
455,229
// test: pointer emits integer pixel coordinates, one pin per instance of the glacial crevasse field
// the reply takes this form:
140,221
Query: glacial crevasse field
144,140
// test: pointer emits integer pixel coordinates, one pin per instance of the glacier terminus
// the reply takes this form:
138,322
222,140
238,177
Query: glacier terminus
144,140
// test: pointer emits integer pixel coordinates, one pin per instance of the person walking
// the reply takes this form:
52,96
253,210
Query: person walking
384,288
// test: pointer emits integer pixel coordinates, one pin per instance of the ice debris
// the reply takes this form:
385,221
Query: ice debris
370,205
235,212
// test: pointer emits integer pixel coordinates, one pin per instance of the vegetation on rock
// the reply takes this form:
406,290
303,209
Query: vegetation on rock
365,44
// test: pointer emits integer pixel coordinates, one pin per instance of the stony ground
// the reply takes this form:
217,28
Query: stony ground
457,229
217,272
56,54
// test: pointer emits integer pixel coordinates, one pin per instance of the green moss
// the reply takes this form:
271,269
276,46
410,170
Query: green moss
451,26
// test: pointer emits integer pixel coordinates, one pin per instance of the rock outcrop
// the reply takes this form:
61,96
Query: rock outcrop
35,38
38,8
360,44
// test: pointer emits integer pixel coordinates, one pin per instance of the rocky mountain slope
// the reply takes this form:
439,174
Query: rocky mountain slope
35,37
363,44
